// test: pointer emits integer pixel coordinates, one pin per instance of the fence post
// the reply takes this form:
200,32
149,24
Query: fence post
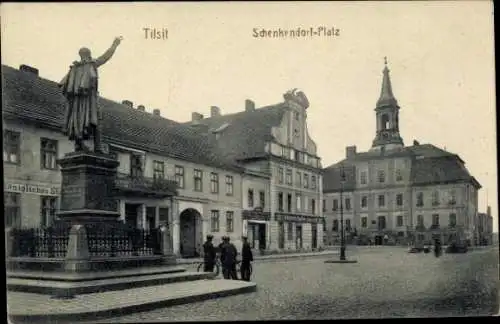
77,254
166,247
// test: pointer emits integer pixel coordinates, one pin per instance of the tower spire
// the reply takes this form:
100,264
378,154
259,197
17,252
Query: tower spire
387,116
386,95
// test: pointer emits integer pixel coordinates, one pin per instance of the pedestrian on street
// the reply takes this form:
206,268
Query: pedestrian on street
222,247
246,259
437,248
209,254
228,259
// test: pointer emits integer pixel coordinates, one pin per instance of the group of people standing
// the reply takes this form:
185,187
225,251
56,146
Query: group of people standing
228,257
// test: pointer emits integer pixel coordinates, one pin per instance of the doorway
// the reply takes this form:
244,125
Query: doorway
314,234
151,217
298,237
281,242
189,235
131,214
262,236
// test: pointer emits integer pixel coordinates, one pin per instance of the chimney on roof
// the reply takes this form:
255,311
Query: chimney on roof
29,69
196,116
141,108
128,103
350,151
415,143
156,112
249,105
214,111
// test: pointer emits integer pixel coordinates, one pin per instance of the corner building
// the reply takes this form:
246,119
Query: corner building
273,142
396,194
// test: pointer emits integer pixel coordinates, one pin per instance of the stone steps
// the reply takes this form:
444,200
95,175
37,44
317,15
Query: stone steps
67,276
26,307
62,288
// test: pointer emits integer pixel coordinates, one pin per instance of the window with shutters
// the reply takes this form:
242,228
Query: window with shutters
289,176
12,209
399,221
214,221
158,170
229,221
48,153
12,147
250,198
179,176
48,210
381,200
198,180
229,185
364,202
420,199
280,201
262,199
214,182
136,165
348,203
399,199
453,220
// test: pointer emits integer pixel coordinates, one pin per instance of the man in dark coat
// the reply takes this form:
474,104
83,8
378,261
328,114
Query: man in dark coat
209,255
246,259
228,259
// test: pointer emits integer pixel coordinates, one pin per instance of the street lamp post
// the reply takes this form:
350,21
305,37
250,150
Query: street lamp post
342,237
343,258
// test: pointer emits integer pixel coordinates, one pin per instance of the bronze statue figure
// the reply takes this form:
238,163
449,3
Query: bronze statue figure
80,88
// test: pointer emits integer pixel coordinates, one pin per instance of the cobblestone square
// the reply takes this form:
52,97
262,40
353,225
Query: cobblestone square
386,282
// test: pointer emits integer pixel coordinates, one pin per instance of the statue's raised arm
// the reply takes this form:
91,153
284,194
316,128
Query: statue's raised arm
109,53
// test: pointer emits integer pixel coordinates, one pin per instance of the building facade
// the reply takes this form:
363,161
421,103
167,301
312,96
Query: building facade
397,194
273,141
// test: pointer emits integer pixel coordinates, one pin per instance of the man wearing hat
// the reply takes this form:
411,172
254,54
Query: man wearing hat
228,259
209,254
246,258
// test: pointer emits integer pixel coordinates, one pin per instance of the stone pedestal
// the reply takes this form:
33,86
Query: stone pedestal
87,188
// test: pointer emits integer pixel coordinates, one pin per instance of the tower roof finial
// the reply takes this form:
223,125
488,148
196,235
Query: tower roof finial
386,95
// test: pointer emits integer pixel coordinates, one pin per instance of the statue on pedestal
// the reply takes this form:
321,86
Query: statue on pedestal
80,87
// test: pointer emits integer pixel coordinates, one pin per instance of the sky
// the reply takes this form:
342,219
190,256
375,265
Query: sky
440,56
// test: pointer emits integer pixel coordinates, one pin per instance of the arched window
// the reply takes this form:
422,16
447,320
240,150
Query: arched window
385,121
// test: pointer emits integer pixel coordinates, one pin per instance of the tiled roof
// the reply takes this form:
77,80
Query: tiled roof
438,169
332,178
430,164
30,97
245,133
